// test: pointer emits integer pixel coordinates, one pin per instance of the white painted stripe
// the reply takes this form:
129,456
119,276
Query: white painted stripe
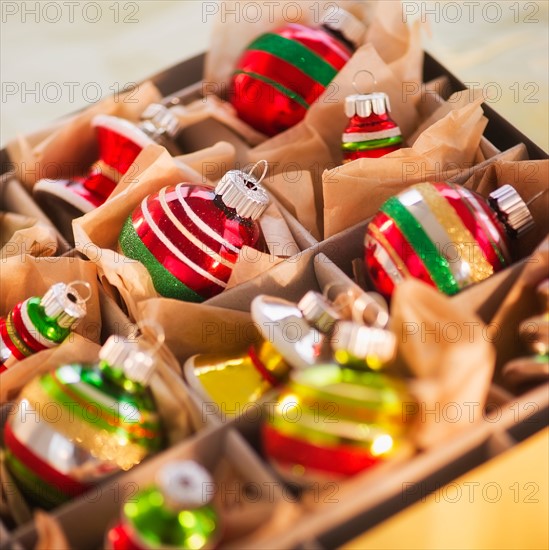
174,250
369,136
382,256
33,331
5,352
203,226
200,245
486,221
446,247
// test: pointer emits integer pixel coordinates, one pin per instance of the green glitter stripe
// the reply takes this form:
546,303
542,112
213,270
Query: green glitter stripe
495,246
39,491
296,54
436,264
165,283
92,417
371,144
282,89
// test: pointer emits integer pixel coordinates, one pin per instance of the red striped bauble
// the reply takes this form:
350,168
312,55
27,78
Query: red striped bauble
443,234
189,236
281,74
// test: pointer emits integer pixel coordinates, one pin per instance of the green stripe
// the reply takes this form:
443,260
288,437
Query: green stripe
165,283
297,55
91,418
371,144
36,489
282,89
495,246
436,264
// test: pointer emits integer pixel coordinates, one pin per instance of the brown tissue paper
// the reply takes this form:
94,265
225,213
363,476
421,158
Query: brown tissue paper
71,149
451,362
21,235
355,191
96,233
50,533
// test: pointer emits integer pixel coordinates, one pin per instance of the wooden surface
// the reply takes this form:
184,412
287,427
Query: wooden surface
503,504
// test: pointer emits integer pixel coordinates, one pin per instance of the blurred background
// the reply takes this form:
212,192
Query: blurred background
56,57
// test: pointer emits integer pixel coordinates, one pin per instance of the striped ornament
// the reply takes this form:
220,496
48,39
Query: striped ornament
440,233
371,137
73,427
27,330
336,422
282,73
188,240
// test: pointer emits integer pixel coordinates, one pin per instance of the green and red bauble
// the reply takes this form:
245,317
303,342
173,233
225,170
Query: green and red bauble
444,235
189,236
371,132
37,324
282,73
175,512
79,423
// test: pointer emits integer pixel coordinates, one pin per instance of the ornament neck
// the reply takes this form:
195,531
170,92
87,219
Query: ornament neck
231,213
116,376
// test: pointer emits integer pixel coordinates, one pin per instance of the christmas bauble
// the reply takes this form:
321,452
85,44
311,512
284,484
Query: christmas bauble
189,236
444,235
371,132
233,382
176,512
79,423
37,323
120,142
281,74
334,422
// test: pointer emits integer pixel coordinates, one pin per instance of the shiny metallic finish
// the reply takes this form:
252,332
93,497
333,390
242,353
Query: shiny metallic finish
512,210
244,193
318,311
60,452
364,105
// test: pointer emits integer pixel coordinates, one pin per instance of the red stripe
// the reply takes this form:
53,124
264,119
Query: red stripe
341,459
24,333
260,367
178,269
496,223
277,69
472,223
402,247
63,483
320,42
197,254
7,340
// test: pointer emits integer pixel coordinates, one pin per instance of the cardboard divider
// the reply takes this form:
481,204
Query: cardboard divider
14,198
246,494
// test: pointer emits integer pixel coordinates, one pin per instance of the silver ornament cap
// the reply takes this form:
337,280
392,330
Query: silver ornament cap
243,192
364,105
317,311
363,342
158,120
65,304
346,23
185,485
512,211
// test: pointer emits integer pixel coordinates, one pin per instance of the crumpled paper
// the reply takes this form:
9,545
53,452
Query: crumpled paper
451,362
21,235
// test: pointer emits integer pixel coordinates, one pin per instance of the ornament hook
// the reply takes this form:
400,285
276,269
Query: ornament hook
536,197
251,171
374,81
83,296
